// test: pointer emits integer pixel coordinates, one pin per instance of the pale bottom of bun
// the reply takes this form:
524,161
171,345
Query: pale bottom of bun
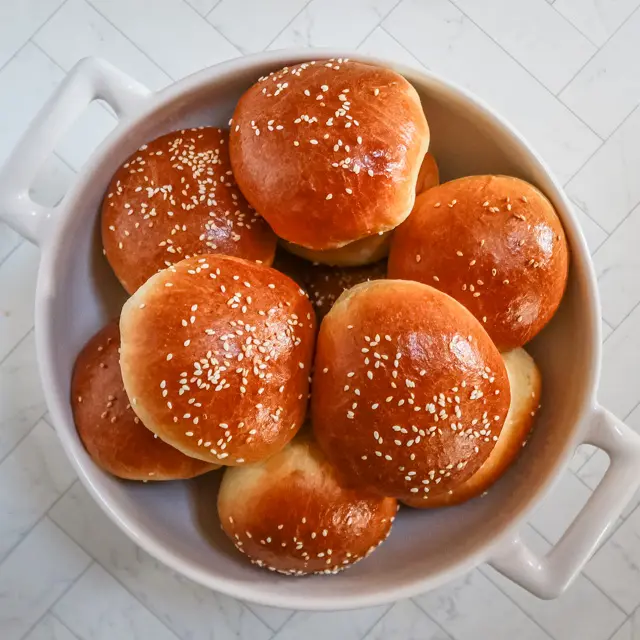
429,175
355,254
526,384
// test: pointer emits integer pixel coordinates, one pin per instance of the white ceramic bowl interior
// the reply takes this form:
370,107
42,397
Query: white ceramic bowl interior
176,522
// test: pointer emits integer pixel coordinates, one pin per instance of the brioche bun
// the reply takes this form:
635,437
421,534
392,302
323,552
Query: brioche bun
329,151
326,284
429,175
496,245
293,514
110,431
409,393
216,355
525,383
174,198
355,254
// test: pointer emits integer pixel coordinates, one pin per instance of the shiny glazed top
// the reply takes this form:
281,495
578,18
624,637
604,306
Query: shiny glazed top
409,393
494,243
176,197
215,356
329,151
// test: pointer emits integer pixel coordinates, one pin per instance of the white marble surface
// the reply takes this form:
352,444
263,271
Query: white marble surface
565,72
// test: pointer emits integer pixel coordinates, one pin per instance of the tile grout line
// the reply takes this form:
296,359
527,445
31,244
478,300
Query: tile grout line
61,622
379,24
591,156
616,228
37,522
626,417
94,560
302,9
212,26
624,319
539,82
401,45
581,572
21,340
371,627
124,35
606,233
580,31
600,48
25,436
46,22
275,631
598,588
488,576
20,243
429,616
101,103
506,595
28,40
122,584
619,627
483,571
206,15
64,593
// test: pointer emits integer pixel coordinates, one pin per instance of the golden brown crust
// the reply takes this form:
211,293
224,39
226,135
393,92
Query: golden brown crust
429,175
355,254
293,266
496,245
409,392
293,514
112,434
324,284
329,151
525,383
216,354
174,198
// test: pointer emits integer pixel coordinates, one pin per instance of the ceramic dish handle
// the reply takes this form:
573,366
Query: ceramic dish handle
548,576
91,79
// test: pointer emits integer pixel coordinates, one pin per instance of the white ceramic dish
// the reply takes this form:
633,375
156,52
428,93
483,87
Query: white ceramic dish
76,293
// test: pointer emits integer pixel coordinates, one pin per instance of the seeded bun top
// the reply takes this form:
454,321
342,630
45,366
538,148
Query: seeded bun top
409,393
292,513
495,244
329,151
174,198
216,355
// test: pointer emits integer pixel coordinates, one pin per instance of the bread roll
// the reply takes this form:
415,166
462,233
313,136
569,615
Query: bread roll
293,514
216,355
496,245
174,198
429,175
525,383
326,284
110,431
361,252
409,393
329,151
